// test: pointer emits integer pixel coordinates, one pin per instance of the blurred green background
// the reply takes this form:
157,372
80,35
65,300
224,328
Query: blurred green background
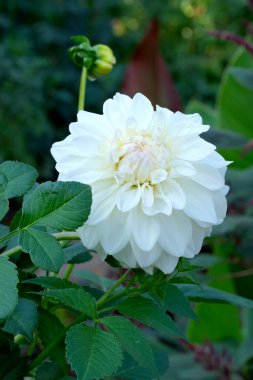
38,100
39,85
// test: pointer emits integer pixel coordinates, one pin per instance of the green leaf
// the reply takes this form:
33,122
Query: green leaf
77,254
150,314
52,283
4,204
235,100
50,326
103,282
243,76
92,353
77,299
23,320
172,299
20,177
130,369
59,205
207,294
44,249
8,287
48,371
132,341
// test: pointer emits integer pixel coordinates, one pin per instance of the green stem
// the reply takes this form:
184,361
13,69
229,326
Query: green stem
82,89
102,300
68,271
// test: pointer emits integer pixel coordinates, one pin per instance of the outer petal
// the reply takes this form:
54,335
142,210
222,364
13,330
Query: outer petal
145,258
145,229
199,201
114,232
176,233
166,263
88,235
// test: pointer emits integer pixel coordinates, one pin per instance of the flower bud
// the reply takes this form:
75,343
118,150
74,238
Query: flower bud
97,59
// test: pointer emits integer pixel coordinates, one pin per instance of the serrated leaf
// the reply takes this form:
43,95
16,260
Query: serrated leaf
92,353
130,370
207,294
4,204
77,299
59,205
4,230
44,249
52,283
172,299
8,287
132,341
49,326
20,177
48,371
150,314
23,320
77,254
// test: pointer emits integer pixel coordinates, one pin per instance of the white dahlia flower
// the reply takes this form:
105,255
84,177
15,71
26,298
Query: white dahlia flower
157,187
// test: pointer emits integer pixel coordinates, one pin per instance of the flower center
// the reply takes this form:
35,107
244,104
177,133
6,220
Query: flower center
140,158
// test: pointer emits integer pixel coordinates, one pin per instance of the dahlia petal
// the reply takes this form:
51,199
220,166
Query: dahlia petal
147,196
172,190
126,257
114,232
208,177
161,204
199,201
166,263
145,258
142,110
176,233
145,229
158,176
192,148
181,168
128,197
88,235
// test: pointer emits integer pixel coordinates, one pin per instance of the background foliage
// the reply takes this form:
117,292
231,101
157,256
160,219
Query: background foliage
38,100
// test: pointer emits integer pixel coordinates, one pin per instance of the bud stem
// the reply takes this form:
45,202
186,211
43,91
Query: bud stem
82,89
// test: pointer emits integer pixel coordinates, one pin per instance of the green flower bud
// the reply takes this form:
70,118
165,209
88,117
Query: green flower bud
97,59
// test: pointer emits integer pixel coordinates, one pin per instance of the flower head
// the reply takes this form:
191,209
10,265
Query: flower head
157,186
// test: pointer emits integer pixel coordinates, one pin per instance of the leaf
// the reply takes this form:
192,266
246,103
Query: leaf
4,230
150,314
235,100
130,369
48,371
132,341
207,294
173,300
77,299
77,254
50,326
23,320
8,287
101,281
44,249
4,204
243,76
147,73
92,353
20,177
52,283
59,205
